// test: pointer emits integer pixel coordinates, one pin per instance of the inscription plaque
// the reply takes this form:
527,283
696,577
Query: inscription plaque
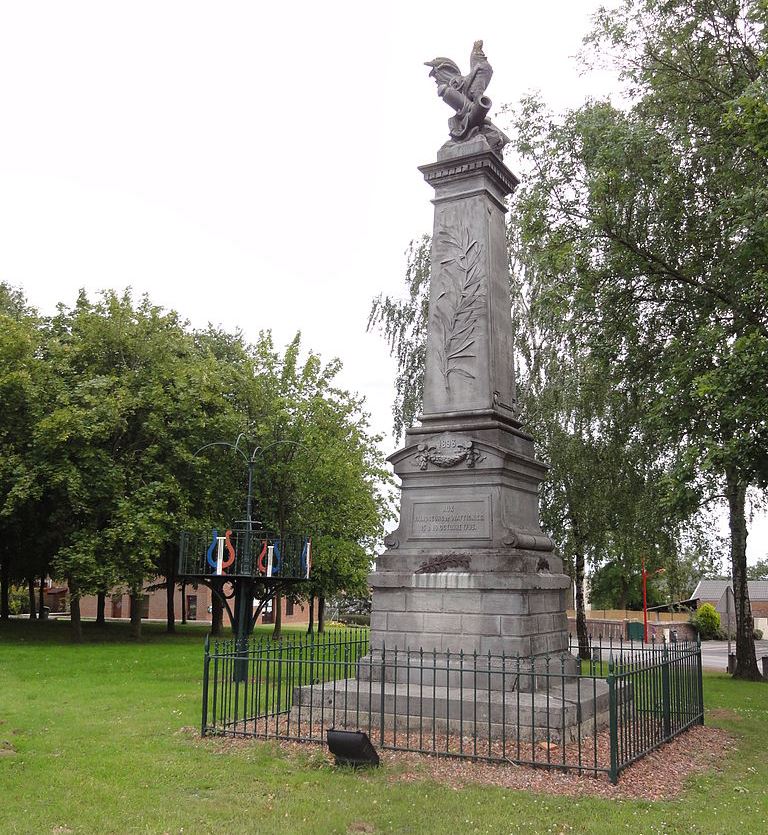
468,519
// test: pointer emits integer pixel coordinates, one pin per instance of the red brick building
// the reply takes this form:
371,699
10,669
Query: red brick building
197,600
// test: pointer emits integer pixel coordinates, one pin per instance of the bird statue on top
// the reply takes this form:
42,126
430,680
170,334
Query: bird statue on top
466,95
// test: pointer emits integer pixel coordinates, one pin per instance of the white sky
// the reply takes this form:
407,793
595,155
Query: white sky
249,164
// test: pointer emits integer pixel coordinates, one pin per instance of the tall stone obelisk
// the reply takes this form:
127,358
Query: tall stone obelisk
468,567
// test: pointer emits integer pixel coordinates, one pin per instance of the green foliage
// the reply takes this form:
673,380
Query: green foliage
18,600
651,222
23,556
610,587
403,323
758,571
355,619
706,620
105,406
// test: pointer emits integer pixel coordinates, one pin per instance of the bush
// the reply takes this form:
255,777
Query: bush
355,620
758,634
706,621
18,600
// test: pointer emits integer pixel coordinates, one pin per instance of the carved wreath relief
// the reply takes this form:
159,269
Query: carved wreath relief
458,305
458,451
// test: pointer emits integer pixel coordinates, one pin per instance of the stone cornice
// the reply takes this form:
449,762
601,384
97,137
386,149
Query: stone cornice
463,167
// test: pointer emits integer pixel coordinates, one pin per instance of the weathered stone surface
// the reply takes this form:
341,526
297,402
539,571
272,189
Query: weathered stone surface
559,714
468,567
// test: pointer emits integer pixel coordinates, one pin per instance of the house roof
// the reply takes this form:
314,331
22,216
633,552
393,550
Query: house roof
714,589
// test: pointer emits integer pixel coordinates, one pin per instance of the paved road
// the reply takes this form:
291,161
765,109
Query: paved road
714,654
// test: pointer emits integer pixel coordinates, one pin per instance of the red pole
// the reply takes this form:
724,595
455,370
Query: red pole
645,605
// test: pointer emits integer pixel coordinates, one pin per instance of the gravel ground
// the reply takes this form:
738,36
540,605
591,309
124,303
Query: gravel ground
661,775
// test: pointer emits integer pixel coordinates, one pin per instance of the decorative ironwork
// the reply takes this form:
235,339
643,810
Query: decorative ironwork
259,564
633,698
256,554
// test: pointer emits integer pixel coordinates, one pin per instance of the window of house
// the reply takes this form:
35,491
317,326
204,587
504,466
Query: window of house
191,607
117,605
289,607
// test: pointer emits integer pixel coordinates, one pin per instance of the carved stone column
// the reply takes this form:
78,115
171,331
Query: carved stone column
468,567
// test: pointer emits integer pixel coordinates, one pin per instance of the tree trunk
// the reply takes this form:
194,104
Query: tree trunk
74,611
170,606
41,601
623,587
277,612
582,634
217,616
5,584
320,614
170,590
581,616
101,605
136,600
32,603
311,624
746,663
183,602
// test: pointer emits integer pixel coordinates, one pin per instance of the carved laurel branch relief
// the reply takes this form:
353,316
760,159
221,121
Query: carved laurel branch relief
458,304
427,454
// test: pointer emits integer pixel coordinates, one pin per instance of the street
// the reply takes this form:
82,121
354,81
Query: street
714,654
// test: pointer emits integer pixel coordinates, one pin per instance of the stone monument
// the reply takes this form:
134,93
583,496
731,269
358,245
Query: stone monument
468,567
468,570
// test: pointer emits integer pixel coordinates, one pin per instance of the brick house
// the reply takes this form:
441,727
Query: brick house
197,600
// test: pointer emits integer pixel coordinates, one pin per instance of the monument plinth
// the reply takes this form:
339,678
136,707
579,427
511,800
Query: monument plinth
468,567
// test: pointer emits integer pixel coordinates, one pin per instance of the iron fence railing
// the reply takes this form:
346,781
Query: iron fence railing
595,717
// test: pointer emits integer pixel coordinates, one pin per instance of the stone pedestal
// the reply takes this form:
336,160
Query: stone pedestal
468,567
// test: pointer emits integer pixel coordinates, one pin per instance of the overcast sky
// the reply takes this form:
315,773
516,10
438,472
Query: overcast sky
249,164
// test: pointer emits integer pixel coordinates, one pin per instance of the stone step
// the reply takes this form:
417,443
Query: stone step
562,712
469,672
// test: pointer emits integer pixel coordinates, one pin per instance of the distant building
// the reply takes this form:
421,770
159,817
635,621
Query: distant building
197,602
714,592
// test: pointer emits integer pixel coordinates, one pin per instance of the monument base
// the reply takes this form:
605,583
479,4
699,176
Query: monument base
558,714
497,610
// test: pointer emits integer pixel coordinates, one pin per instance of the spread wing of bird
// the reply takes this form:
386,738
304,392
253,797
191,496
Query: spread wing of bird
480,72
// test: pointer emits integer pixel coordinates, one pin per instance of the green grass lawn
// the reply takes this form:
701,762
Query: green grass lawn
102,745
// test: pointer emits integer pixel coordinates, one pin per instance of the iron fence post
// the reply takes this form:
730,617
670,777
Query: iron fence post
700,679
613,726
206,669
381,703
665,695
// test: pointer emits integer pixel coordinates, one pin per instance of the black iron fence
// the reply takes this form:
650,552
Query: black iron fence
594,717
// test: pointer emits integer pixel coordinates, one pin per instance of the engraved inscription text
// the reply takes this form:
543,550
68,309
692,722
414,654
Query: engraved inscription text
451,520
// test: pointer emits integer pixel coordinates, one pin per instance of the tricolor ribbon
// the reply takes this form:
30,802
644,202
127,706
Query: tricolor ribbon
306,558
